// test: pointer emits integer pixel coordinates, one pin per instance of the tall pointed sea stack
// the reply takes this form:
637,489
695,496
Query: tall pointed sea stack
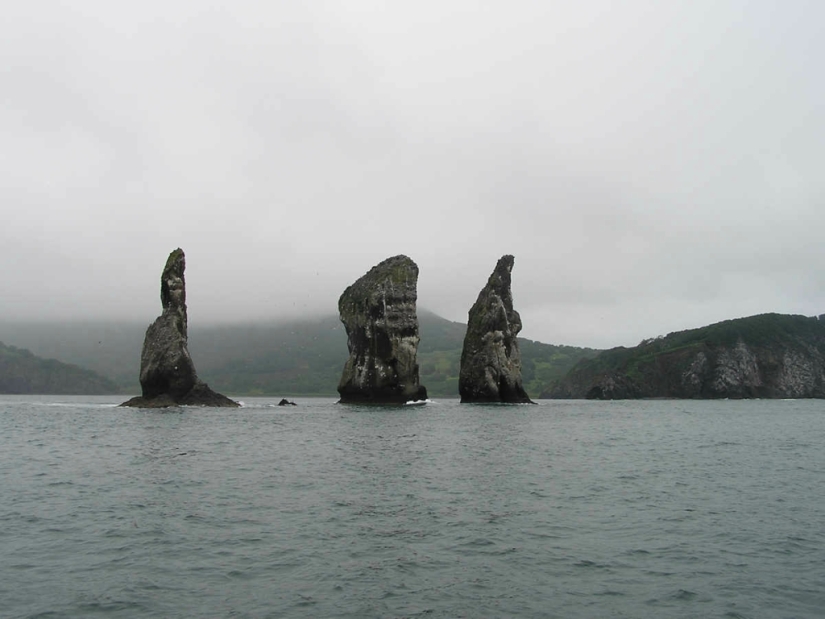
167,374
490,360
378,312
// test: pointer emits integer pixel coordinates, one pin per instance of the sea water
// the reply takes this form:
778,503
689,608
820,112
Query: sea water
564,509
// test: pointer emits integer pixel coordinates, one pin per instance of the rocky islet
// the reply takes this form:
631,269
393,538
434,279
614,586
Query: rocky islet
167,373
379,315
490,359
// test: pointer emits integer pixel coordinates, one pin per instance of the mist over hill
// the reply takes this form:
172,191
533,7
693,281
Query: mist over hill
300,357
23,372
109,348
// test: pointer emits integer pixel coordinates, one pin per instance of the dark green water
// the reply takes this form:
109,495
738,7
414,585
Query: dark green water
566,509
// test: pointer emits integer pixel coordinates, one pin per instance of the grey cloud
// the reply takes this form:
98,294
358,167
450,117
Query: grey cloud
652,166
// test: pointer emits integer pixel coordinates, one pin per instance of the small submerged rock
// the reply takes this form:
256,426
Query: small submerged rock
490,360
379,315
167,373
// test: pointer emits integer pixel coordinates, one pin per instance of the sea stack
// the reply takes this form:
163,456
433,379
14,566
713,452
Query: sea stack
167,374
490,359
379,315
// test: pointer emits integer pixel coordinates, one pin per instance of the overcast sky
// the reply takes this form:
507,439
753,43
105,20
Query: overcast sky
653,166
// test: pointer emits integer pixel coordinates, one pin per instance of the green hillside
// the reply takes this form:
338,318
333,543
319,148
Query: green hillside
23,372
297,358
658,367
109,348
279,358
306,358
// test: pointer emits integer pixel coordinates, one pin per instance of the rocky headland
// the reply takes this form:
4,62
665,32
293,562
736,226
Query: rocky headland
167,373
379,314
764,356
490,359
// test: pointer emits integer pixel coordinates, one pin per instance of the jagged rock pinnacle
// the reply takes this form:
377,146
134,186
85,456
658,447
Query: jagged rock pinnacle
167,373
490,359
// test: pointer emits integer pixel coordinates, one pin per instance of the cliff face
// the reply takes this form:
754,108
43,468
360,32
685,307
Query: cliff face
167,373
766,356
379,315
490,359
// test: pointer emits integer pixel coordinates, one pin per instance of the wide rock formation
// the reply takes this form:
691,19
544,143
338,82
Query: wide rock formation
490,359
379,315
167,374
764,356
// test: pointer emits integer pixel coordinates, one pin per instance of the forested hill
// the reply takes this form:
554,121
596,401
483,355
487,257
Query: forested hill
770,355
23,372
306,358
287,358
765,356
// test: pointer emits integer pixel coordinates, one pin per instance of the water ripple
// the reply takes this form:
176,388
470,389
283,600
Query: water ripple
569,509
